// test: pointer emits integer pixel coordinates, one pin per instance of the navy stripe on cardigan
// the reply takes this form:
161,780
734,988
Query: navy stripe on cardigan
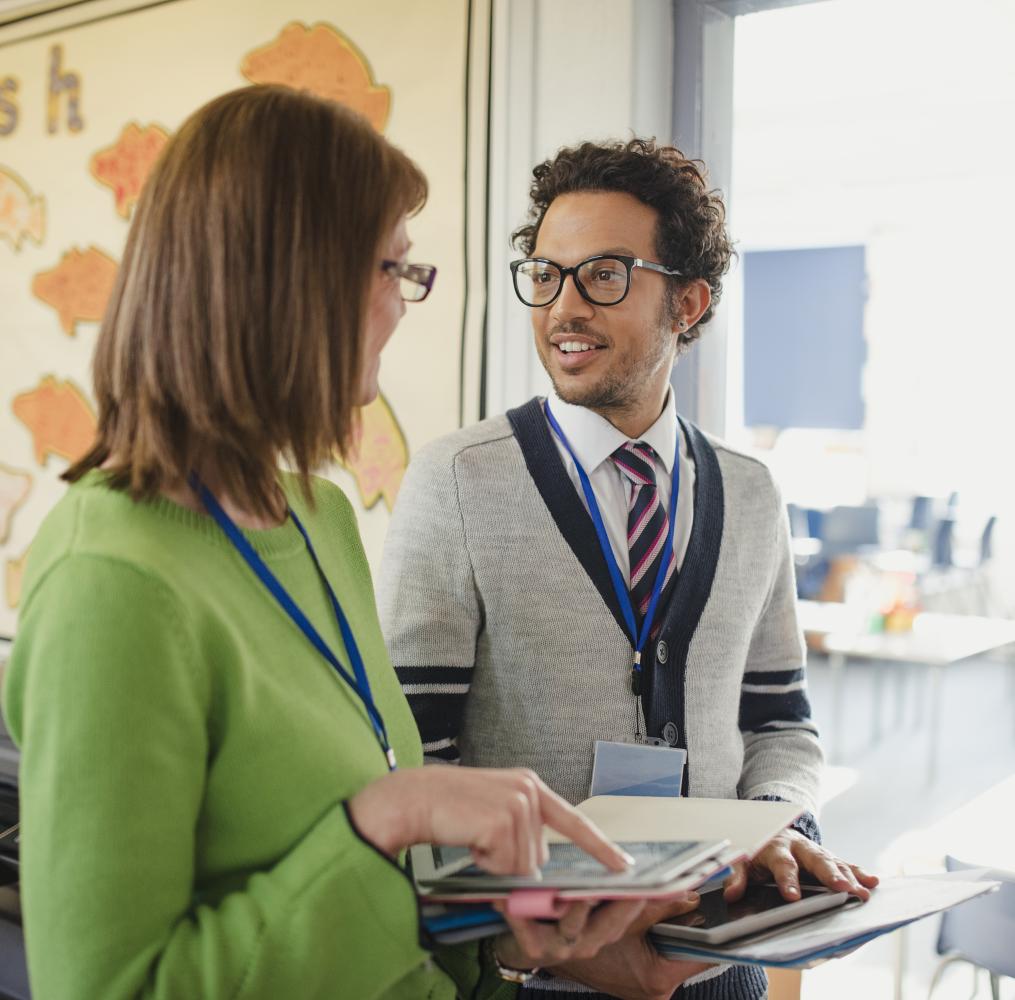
436,696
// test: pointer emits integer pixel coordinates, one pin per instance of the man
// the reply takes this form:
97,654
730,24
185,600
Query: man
590,568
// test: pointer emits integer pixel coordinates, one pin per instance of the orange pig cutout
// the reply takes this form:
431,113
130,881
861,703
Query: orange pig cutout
78,288
125,165
379,456
59,418
22,214
323,61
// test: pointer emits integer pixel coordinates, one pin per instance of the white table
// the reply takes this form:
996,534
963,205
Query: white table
936,641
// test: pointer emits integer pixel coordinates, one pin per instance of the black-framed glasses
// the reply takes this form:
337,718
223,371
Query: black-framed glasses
414,280
603,280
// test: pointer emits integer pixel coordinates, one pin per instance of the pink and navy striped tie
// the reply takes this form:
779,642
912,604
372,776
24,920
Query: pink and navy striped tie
647,522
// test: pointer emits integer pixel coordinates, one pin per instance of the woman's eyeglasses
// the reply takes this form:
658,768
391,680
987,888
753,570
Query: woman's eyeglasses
414,280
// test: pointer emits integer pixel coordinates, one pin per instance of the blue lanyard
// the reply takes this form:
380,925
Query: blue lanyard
637,639
360,684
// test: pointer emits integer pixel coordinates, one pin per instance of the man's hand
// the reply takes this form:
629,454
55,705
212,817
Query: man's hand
632,969
786,855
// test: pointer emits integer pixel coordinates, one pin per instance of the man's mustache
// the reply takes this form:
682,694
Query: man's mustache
576,326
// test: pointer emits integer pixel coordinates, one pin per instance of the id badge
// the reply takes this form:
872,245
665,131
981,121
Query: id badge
637,769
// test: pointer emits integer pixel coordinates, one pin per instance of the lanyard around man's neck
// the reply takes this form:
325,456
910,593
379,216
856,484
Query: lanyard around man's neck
638,639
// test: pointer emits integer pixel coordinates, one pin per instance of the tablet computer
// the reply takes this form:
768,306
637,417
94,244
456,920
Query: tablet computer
568,867
716,921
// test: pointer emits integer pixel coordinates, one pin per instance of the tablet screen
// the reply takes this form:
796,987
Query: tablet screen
760,909
714,911
567,864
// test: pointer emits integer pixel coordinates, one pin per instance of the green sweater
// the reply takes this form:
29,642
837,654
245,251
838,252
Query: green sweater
186,755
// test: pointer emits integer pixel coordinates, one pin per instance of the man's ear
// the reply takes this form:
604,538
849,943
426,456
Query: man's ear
689,304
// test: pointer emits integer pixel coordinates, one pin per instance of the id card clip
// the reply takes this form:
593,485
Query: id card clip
651,768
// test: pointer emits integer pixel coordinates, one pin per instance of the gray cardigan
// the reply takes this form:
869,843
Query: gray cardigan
502,623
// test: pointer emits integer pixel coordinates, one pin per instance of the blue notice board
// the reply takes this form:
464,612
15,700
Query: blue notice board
804,348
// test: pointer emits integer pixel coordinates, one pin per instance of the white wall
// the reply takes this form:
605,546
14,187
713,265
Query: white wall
563,71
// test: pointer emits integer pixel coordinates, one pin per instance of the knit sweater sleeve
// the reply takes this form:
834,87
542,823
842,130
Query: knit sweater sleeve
782,756
430,609
109,700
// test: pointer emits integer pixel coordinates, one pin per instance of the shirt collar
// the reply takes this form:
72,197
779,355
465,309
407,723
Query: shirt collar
593,438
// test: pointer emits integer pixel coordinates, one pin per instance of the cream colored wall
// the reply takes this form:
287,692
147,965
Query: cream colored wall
156,66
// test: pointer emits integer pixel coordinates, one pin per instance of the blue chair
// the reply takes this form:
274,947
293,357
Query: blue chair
812,566
799,526
987,541
849,530
957,579
980,932
921,514
944,535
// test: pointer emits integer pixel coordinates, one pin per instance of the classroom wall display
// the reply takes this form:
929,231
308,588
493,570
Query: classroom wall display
124,166
22,214
89,96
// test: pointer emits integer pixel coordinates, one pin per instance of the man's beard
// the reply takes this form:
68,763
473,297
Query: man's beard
613,391
619,388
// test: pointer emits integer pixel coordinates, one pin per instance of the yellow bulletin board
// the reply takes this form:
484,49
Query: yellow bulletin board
90,93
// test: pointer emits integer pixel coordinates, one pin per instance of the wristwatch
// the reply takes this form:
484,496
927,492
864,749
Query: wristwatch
504,971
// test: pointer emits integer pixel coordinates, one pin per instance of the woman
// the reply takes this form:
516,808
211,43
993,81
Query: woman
207,715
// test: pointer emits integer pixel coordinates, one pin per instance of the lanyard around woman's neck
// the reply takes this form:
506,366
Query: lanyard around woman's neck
637,639
360,683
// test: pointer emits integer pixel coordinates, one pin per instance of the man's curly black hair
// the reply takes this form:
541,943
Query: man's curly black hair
691,235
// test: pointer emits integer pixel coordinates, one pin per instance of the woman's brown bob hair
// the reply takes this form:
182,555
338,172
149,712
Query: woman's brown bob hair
234,332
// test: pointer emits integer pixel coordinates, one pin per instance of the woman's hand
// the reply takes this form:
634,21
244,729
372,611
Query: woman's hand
498,814
631,968
578,934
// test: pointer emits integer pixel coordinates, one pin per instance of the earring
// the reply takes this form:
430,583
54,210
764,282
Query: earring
682,323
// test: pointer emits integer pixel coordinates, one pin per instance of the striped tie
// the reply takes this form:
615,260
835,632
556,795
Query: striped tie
647,522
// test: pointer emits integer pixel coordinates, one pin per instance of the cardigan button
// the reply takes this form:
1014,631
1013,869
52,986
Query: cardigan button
670,734
662,651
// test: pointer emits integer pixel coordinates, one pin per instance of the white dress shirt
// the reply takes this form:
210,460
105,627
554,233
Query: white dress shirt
593,439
